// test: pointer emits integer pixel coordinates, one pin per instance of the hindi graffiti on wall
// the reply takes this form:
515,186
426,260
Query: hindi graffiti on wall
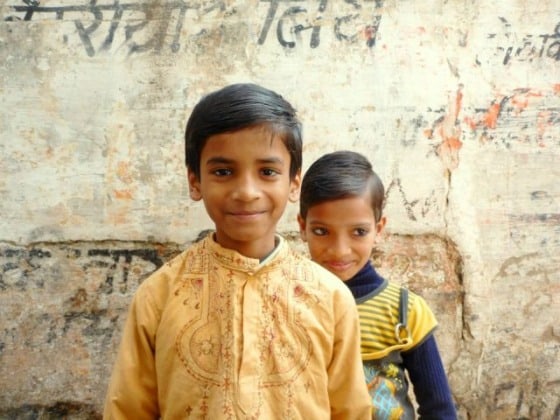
144,27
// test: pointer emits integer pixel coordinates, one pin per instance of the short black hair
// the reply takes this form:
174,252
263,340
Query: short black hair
338,175
240,106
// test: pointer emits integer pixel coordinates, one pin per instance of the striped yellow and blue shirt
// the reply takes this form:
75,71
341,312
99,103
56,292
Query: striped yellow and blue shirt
379,316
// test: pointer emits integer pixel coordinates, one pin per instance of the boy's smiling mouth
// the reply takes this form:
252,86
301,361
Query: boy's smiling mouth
338,265
246,215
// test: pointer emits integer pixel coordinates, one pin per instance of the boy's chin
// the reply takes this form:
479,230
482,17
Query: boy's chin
342,276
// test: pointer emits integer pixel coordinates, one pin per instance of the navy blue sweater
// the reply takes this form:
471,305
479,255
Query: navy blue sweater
423,363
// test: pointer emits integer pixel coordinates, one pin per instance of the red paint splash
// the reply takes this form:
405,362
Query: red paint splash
519,101
491,117
123,194
450,133
369,32
453,143
471,122
543,118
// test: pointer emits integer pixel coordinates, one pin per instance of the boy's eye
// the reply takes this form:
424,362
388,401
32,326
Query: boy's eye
269,172
221,172
361,232
319,231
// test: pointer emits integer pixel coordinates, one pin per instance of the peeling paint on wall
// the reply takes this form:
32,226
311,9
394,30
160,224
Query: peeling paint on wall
456,104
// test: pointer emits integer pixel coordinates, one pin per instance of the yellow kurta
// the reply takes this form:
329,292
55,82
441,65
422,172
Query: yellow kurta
216,335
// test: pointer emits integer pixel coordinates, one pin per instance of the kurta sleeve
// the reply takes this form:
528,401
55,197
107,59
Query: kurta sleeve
132,391
347,385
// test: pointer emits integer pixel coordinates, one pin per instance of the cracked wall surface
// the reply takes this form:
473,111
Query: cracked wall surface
456,103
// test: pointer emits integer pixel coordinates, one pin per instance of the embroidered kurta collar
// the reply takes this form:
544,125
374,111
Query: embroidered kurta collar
234,260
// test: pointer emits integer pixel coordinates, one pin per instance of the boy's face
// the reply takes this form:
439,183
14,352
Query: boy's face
245,185
340,234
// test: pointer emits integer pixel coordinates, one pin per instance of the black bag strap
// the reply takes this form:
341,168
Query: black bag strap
403,306
401,330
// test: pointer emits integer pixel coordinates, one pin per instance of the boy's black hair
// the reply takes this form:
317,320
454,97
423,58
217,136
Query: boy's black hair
240,106
338,175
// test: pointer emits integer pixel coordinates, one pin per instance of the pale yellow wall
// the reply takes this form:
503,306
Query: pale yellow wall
455,102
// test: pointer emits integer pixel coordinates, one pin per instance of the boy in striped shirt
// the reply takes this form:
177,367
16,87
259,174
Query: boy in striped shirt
341,218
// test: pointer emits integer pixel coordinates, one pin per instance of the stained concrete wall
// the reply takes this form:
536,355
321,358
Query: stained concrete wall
457,103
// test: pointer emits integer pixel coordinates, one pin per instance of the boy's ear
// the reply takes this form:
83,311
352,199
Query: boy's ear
301,223
194,186
379,226
295,185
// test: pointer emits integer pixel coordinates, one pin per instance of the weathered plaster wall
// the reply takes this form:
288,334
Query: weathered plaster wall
457,103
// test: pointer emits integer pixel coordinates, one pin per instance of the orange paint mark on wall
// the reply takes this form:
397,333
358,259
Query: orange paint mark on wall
369,33
453,143
448,151
543,122
449,132
470,122
458,103
491,117
123,172
118,218
520,100
123,194
556,88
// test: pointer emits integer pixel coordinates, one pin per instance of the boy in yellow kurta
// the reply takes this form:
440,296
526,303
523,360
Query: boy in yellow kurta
239,326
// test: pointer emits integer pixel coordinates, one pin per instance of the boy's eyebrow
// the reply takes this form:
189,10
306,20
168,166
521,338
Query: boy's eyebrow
314,222
364,224
223,160
218,160
271,159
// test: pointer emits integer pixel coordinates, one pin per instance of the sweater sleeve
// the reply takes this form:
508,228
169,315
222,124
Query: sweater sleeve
132,392
427,375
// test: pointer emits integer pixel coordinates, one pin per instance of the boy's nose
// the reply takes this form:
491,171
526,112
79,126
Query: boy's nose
246,189
339,247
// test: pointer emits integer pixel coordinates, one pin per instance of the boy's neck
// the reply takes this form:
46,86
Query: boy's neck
258,250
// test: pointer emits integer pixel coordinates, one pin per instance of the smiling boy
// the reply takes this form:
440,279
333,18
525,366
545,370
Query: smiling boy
244,182
341,219
240,326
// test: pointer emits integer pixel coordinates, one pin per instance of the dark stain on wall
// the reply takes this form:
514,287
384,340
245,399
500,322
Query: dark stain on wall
60,410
